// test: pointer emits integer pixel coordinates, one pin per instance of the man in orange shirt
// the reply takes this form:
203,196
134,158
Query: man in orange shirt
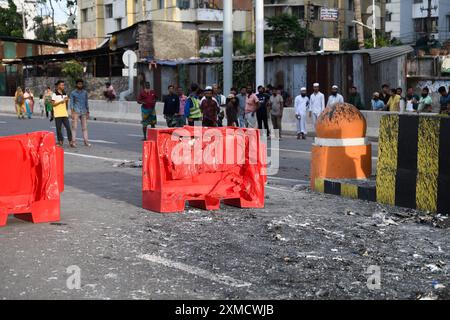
251,105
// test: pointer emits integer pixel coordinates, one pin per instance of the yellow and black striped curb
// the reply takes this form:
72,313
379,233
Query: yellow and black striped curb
344,189
413,169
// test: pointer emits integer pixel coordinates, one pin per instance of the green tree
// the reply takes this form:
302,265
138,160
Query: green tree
73,70
286,33
11,21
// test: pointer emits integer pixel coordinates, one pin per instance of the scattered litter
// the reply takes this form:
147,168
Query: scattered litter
300,187
437,285
334,250
330,232
433,267
128,164
351,213
313,257
322,293
417,256
279,237
380,220
428,296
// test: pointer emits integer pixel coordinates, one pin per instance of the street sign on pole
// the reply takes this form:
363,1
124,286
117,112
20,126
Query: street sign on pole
129,58
126,72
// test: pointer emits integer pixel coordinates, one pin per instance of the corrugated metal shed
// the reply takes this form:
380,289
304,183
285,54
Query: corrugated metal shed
375,56
385,53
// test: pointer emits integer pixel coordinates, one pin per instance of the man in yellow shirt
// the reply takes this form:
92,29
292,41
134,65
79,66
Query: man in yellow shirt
393,104
59,102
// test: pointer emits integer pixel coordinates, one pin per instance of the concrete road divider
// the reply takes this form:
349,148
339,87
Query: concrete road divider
32,177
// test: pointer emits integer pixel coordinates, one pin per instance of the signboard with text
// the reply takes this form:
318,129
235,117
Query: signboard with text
330,44
329,14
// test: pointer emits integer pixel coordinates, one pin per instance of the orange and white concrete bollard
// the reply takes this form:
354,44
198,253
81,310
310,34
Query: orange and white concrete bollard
341,149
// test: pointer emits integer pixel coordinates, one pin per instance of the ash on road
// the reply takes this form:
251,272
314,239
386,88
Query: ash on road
303,245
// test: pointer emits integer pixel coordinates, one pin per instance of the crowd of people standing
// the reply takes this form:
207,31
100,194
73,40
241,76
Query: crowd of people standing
208,107
393,99
56,105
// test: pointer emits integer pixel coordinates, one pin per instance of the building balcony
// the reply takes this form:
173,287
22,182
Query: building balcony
213,15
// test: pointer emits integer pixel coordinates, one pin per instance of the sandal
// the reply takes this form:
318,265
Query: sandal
87,144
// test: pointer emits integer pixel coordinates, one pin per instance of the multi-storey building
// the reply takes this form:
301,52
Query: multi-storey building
409,19
99,18
343,27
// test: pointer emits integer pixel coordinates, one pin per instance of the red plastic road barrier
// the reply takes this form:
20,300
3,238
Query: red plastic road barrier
31,177
203,166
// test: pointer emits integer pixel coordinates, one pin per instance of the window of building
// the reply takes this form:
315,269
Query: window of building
351,5
109,11
351,32
84,15
119,24
418,1
388,16
420,24
183,4
161,4
298,11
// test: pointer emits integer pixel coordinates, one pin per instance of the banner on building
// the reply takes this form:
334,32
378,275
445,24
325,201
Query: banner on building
329,14
330,44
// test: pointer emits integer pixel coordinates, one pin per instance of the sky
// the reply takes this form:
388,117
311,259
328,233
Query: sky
60,11
60,14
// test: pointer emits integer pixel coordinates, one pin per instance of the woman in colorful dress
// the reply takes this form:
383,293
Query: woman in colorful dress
29,102
19,103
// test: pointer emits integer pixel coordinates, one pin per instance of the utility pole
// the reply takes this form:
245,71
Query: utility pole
24,28
227,46
374,25
309,15
428,24
359,27
259,26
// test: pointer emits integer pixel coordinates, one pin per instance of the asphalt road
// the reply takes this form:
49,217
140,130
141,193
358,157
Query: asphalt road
302,245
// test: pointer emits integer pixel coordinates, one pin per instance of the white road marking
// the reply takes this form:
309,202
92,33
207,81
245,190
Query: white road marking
294,151
278,189
96,141
135,135
220,278
95,157
3,122
286,179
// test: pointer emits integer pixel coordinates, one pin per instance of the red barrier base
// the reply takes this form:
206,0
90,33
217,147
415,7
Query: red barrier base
31,177
234,173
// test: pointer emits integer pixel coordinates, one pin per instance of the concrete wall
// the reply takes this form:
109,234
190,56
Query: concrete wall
130,111
94,86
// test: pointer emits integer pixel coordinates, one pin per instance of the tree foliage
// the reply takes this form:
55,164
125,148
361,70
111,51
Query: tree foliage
51,32
286,33
11,21
73,70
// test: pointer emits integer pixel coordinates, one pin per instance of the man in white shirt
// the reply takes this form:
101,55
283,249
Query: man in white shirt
301,110
335,97
317,103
